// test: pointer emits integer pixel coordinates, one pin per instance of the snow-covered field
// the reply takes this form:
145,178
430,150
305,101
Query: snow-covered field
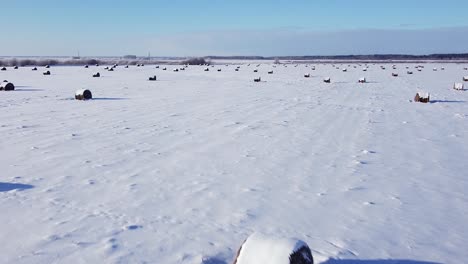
184,169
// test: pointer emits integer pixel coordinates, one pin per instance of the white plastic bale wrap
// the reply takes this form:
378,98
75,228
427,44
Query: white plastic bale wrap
262,249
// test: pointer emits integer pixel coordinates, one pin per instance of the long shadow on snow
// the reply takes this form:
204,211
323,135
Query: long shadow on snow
446,101
376,261
6,187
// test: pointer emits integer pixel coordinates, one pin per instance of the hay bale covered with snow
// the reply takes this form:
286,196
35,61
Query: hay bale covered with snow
395,74
409,72
362,80
46,73
257,79
327,80
307,75
270,72
153,78
422,97
3,69
34,69
465,78
83,94
7,86
261,249
458,86
97,75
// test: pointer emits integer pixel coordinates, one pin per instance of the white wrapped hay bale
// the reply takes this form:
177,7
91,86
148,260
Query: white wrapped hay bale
7,86
261,249
458,86
83,94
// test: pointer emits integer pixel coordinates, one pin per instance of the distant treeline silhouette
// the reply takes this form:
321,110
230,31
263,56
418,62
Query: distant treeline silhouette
454,56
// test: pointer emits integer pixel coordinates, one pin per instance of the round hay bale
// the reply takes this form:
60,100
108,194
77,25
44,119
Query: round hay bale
83,94
16,67
97,75
262,249
34,69
47,66
46,73
270,72
152,78
164,69
409,72
257,79
395,74
362,80
3,69
465,79
327,80
7,86
307,75
86,66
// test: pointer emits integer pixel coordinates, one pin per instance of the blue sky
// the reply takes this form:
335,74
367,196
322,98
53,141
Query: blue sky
203,27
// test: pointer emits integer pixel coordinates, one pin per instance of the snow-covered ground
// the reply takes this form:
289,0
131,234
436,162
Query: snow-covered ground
184,169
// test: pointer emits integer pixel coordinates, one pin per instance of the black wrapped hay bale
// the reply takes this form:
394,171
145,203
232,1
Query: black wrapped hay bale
83,94
7,86
16,67
307,75
46,73
3,69
97,75
86,66
47,66
34,69
263,249
257,79
152,78
395,74
327,80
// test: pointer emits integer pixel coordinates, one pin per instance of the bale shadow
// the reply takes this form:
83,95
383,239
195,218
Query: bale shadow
376,261
109,99
6,187
446,101
213,261
27,89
